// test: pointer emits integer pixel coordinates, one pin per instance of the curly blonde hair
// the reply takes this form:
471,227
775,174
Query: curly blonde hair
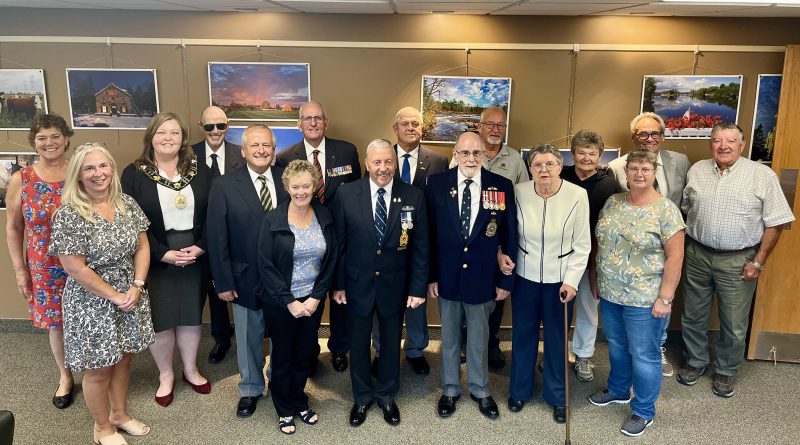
75,196
296,167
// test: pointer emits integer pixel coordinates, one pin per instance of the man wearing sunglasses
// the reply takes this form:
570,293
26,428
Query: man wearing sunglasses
221,158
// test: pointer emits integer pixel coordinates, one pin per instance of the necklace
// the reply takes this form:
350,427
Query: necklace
179,201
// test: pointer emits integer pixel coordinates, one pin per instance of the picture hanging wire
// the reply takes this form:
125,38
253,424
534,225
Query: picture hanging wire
8,140
260,54
463,66
696,54
571,99
186,96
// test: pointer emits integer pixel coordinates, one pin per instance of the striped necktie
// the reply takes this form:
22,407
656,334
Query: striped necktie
265,196
380,216
320,190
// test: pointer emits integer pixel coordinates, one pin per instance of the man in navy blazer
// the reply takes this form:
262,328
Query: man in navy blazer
235,211
472,215
338,164
382,225
221,158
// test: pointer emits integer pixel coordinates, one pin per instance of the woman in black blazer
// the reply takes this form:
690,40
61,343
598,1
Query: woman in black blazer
172,187
297,256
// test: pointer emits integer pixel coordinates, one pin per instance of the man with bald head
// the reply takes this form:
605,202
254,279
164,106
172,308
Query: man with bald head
472,215
221,158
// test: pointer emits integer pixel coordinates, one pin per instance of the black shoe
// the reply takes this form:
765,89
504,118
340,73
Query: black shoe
560,414
358,414
487,406
391,414
447,405
515,406
496,359
247,406
339,361
419,365
62,402
218,352
374,367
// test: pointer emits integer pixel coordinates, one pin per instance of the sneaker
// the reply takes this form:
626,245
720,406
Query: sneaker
583,369
666,366
603,398
723,385
635,425
688,374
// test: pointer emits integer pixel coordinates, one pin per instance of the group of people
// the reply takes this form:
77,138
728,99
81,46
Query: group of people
113,265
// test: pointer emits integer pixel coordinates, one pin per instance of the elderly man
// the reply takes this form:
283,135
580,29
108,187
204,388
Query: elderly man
337,163
221,158
472,215
647,133
381,223
735,209
237,203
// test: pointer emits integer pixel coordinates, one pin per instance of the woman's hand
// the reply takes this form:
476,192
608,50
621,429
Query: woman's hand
311,305
178,258
566,293
193,251
298,309
24,283
131,299
661,310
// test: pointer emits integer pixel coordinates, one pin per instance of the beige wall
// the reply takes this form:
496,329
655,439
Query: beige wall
362,88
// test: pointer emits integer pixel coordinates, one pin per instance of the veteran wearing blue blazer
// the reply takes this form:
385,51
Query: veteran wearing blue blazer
237,203
472,215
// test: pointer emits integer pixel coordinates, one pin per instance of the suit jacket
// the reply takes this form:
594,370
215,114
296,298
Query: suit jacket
676,166
145,191
337,154
467,270
233,155
276,243
429,163
382,275
234,216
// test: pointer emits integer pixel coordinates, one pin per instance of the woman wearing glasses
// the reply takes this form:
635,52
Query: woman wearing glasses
639,256
554,245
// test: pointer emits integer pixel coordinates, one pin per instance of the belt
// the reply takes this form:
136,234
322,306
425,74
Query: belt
713,250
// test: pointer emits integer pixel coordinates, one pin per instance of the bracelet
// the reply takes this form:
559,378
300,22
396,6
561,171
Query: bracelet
138,284
757,265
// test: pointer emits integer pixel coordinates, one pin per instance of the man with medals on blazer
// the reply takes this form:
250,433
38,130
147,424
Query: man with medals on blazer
236,205
472,217
382,224
221,157
337,163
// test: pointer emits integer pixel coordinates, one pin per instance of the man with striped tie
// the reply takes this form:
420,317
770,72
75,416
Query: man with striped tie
236,204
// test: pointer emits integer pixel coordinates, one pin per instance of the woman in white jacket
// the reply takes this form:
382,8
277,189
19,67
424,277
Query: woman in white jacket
554,245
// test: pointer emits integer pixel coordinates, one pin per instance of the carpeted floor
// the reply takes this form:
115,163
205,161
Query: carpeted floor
763,411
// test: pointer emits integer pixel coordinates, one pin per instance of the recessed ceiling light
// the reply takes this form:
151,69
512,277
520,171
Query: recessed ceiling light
443,12
247,9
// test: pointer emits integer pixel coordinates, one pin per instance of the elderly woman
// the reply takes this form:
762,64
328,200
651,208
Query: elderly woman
298,253
640,250
100,236
587,147
554,245
33,195
172,187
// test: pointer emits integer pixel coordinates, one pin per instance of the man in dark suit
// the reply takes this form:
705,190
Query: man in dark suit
337,164
221,158
382,224
472,215
415,165
237,203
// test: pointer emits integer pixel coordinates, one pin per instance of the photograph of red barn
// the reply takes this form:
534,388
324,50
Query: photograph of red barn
112,98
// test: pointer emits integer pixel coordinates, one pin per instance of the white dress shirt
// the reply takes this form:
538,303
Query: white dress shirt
270,184
175,218
220,156
412,161
373,189
475,190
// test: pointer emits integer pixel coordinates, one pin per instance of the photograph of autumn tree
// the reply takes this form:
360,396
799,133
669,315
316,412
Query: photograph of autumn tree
259,91
22,97
765,118
452,105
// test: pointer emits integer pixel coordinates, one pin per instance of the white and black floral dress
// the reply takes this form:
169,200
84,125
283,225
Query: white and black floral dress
96,331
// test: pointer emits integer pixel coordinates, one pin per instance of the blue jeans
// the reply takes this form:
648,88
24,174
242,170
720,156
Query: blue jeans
634,342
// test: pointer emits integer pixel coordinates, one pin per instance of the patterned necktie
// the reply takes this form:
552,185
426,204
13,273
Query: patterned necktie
466,208
214,166
320,190
405,175
380,216
265,195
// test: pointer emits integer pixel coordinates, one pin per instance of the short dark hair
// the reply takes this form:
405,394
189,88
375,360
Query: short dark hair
587,138
44,121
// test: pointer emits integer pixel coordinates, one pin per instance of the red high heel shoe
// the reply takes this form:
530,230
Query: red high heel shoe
205,388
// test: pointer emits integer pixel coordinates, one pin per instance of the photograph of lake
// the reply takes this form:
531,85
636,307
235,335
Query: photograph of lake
765,118
452,105
692,105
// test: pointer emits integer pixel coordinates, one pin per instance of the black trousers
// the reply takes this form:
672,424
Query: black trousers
221,328
294,345
338,342
387,384
495,319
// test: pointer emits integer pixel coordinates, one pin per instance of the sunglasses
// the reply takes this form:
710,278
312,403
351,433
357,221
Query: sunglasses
210,127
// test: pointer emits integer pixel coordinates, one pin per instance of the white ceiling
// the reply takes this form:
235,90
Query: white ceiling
485,7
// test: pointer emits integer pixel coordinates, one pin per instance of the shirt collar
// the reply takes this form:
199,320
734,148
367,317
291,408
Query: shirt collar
414,153
220,151
254,175
373,188
476,179
730,169
310,149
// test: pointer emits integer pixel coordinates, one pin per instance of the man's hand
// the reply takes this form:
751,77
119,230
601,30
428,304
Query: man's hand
750,272
661,310
433,290
339,297
414,302
502,294
505,263
228,295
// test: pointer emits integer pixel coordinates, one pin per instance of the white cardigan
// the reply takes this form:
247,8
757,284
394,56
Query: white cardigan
554,237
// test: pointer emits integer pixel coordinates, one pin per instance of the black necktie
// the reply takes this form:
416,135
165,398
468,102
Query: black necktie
214,166
380,216
466,208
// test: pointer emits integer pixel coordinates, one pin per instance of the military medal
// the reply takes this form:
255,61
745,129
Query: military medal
502,200
404,239
485,196
453,193
180,201
407,218
491,229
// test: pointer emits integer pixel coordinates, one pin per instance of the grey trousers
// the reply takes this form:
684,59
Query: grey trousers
249,327
452,314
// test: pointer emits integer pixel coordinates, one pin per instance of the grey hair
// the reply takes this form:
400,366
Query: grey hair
642,156
259,126
378,143
311,102
543,149
646,115
490,109
417,112
722,126
587,138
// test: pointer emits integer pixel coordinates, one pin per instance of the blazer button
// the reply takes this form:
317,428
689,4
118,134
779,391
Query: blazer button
465,266
377,273
378,252
466,249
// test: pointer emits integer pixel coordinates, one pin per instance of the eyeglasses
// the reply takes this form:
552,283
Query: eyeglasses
644,171
210,127
466,154
548,166
643,136
307,119
492,125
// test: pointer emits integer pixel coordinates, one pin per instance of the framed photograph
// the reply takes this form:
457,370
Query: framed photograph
609,154
284,136
692,105
452,105
22,96
10,163
765,118
111,98
249,91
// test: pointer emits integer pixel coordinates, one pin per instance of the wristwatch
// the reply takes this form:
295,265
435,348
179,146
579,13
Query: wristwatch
757,265
665,301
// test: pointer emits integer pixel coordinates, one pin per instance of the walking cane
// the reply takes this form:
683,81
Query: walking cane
566,366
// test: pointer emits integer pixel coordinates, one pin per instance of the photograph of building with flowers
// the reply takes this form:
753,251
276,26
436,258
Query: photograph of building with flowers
692,105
